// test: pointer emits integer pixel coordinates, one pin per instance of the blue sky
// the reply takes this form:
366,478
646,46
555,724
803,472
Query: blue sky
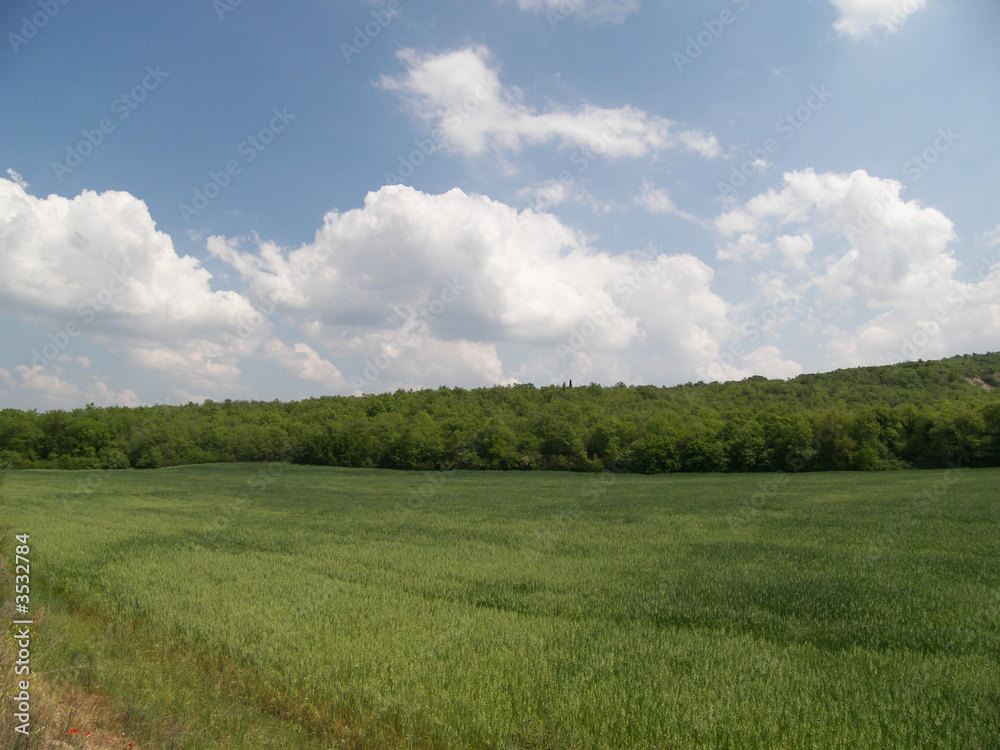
260,200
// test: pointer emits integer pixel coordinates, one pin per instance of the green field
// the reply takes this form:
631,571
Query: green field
256,606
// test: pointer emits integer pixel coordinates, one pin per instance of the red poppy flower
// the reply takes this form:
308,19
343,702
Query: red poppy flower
88,734
72,731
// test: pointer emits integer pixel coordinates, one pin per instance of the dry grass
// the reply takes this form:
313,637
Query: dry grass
57,706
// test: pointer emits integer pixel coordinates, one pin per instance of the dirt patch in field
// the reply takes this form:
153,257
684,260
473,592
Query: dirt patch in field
980,383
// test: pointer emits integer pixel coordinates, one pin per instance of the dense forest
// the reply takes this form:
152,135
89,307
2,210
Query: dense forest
916,414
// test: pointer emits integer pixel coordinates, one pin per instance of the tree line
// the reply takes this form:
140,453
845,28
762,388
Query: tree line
916,414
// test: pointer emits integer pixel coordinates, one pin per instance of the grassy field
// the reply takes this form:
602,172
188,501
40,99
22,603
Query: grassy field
253,606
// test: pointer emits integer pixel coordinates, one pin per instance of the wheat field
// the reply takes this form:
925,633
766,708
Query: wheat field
277,606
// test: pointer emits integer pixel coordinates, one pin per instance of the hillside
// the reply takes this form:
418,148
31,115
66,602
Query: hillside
915,414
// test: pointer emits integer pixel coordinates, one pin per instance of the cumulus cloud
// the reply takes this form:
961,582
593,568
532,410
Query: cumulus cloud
409,290
460,94
97,261
964,317
889,249
413,280
858,18
892,256
466,266
414,289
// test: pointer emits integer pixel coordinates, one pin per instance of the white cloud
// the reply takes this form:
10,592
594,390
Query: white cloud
681,325
184,396
795,248
17,179
460,94
97,262
103,252
612,11
82,361
466,266
854,239
659,201
542,196
747,246
889,249
858,18
412,357
414,289
963,317
44,387
201,363
304,362
990,238
418,286
767,361
682,322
